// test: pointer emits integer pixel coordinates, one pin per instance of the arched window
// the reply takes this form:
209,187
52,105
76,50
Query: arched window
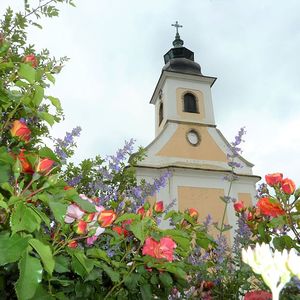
190,103
160,113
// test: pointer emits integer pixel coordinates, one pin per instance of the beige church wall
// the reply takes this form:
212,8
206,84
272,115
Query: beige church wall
200,116
246,197
178,146
206,201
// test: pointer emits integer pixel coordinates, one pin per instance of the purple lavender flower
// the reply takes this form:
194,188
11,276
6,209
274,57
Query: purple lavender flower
242,234
62,147
207,222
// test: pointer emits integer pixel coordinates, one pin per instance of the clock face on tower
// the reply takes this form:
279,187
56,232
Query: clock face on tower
193,137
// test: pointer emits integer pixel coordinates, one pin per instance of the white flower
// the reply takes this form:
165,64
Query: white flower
276,268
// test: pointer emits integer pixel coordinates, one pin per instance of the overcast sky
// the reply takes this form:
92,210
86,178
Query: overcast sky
116,49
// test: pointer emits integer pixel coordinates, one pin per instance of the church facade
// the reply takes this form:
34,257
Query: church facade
188,143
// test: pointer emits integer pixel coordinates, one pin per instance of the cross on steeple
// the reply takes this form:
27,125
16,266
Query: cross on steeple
177,25
177,42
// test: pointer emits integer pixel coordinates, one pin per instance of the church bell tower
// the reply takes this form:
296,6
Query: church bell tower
187,142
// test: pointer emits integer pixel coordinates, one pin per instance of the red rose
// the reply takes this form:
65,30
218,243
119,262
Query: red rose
270,207
239,206
258,295
288,186
31,59
19,129
159,207
106,218
273,179
44,165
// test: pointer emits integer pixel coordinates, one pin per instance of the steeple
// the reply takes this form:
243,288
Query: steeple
180,59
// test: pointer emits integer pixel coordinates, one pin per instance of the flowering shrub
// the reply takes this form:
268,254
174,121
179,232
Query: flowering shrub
88,231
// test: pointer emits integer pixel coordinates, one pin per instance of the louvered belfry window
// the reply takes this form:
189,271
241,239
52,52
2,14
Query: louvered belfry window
190,103
160,113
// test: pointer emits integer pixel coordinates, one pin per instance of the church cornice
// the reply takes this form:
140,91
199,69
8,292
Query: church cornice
171,166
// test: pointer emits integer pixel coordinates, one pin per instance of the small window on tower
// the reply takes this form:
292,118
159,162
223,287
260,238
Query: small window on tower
190,103
160,113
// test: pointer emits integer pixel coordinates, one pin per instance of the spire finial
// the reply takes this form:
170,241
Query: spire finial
177,42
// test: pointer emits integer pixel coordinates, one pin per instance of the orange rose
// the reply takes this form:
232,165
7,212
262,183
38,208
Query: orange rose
26,166
270,207
73,244
106,218
239,206
288,186
31,59
193,213
273,179
44,165
19,129
81,227
159,207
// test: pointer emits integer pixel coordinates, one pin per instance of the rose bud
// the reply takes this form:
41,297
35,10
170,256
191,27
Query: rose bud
193,213
19,129
119,230
73,244
141,211
80,227
89,217
239,206
26,166
44,165
67,187
31,59
159,207
273,179
106,218
288,186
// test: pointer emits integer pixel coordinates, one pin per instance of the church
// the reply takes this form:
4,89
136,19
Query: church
188,143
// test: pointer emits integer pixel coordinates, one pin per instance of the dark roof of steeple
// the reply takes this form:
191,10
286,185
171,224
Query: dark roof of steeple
180,59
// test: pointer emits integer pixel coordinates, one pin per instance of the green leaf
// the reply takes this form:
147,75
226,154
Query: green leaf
42,294
203,240
50,77
83,204
55,102
85,262
128,216
131,281
42,215
11,248
7,187
114,276
47,117
31,272
38,96
180,237
146,292
175,270
45,254
59,209
140,229
283,242
27,72
166,279
62,264
46,152
24,219
98,253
